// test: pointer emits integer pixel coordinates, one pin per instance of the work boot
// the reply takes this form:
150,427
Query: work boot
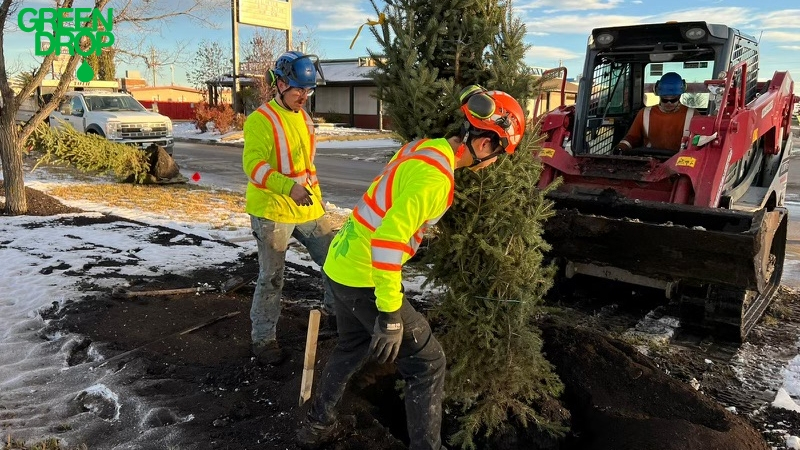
268,353
313,435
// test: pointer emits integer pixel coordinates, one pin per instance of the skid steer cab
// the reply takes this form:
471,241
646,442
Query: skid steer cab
704,220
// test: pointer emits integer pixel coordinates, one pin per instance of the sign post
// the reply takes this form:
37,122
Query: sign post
235,60
275,14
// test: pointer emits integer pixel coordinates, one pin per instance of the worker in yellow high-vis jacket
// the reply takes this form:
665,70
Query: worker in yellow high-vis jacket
365,261
284,199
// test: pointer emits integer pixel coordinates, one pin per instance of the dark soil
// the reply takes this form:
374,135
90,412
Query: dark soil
618,398
39,204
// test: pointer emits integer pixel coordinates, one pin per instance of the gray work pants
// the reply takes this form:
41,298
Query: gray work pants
273,240
421,363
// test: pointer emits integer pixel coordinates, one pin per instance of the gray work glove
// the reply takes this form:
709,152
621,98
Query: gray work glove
386,337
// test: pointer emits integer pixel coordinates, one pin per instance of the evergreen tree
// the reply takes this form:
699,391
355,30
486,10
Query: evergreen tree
488,251
429,50
489,255
103,65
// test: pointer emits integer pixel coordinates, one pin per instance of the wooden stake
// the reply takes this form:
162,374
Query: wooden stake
310,357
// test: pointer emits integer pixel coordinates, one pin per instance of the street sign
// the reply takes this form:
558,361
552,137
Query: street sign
266,13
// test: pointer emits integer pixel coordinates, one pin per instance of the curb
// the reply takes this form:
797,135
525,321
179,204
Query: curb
210,142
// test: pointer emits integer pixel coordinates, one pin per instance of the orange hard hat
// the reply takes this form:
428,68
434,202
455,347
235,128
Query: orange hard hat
494,111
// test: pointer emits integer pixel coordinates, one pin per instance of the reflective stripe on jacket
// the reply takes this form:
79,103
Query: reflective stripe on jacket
279,150
386,226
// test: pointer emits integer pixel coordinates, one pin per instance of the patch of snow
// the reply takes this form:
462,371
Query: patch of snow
785,401
103,394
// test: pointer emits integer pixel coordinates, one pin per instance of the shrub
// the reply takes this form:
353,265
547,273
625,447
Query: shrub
221,115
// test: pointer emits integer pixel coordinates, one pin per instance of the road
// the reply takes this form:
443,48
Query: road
344,173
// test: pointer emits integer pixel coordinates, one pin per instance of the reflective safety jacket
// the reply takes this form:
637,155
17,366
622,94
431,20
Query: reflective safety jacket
665,130
386,226
279,149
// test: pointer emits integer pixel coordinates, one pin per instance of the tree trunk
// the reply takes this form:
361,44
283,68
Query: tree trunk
11,157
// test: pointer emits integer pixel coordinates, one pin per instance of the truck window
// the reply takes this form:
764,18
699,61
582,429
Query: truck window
113,103
77,106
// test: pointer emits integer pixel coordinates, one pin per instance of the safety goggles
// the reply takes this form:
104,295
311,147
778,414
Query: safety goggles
670,99
304,92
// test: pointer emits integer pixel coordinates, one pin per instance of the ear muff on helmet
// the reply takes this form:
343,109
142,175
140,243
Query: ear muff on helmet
671,85
492,111
272,78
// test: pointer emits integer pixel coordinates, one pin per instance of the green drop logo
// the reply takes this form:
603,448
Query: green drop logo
85,72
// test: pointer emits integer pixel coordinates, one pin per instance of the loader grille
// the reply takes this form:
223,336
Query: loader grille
746,50
609,85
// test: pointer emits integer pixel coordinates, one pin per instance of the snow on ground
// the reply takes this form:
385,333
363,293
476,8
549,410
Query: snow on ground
39,390
187,130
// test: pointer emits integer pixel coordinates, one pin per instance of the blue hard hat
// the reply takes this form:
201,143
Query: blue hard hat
296,69
670,85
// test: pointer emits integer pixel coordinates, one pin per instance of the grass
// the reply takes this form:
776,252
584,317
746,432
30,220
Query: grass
49,444
178,202
220,209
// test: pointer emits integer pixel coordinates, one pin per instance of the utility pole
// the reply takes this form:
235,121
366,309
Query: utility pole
153,64
235,39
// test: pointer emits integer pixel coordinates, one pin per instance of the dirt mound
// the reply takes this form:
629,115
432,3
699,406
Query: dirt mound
620,400
39,203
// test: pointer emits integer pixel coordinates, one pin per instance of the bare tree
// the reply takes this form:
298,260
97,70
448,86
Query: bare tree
142,16
258,56
209,63
261,51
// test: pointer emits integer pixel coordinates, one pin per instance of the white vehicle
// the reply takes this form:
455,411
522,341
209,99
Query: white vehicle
117,116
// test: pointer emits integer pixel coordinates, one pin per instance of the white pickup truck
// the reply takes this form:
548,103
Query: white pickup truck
117,116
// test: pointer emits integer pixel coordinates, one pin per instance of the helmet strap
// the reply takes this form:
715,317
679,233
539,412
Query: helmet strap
475,159
280,100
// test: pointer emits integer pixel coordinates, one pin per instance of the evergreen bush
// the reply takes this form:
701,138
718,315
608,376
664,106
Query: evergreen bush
88,153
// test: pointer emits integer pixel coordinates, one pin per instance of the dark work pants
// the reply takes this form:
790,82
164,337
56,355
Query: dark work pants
421,363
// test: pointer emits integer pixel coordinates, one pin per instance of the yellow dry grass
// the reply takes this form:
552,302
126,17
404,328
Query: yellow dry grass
180,202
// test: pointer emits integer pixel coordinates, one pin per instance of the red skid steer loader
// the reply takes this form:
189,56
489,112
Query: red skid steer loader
707,223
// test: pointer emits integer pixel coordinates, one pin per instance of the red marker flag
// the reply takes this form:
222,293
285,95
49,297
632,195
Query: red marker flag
196,177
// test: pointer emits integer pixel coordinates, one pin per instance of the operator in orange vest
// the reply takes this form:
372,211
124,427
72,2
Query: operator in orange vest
663,126
374,319
283,195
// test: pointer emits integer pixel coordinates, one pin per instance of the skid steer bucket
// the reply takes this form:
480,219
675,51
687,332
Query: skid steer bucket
722,265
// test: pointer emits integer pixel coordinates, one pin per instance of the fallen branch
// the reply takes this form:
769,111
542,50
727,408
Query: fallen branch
122,292
179,333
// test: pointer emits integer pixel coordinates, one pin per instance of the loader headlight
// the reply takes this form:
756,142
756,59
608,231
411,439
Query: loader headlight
604,38
694,34
113,130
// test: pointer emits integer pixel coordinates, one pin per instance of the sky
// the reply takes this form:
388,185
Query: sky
557,30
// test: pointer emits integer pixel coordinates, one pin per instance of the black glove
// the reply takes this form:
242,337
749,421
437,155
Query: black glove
386,336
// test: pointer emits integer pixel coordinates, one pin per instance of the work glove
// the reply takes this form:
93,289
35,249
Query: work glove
386,336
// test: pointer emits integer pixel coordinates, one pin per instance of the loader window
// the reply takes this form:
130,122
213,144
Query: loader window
695,73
